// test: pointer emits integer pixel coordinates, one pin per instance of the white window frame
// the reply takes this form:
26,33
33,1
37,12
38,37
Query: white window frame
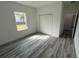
20,14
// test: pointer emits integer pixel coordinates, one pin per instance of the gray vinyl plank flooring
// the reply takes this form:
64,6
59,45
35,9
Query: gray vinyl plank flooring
40,47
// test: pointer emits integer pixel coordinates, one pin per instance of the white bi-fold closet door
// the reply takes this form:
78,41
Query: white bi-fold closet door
46,23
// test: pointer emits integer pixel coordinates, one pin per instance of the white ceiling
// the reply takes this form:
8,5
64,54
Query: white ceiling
36,4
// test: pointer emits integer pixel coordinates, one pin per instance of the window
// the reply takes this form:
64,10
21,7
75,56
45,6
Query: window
21,21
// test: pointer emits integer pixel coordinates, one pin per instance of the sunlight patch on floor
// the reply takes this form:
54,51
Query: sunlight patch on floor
42,37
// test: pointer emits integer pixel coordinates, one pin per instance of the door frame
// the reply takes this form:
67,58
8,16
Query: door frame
73,34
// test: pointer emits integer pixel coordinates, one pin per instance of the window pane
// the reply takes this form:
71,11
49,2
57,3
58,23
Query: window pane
20,19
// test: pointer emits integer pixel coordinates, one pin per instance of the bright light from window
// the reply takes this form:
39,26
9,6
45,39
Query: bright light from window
20,19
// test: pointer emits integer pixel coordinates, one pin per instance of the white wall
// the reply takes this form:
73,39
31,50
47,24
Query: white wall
76,39
62,19
56,10
8,30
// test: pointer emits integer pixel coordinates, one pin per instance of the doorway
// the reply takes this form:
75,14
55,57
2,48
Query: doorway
70,21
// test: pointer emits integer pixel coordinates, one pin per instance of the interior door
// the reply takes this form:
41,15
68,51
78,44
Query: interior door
46,21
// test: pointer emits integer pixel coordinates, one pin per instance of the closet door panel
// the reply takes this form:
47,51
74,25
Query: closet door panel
46,24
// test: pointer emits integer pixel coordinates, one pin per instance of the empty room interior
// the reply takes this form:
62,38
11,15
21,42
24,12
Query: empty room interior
39,29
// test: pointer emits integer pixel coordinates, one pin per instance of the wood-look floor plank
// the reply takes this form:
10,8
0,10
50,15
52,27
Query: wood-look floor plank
38,47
